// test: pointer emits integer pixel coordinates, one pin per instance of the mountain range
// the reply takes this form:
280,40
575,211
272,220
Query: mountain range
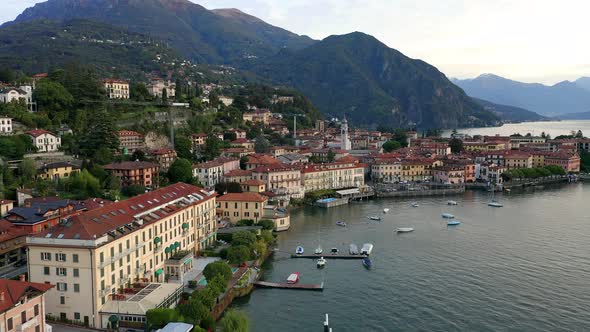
352,74
562,98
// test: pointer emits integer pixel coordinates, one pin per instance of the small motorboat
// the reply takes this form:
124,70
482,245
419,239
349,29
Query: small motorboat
367,249
404,230
354,250
495,204
341,223
448,216
367,263
376,218
453,223
299,250
451,202
385,210
319,250
321,262
293,278
334,251
415,204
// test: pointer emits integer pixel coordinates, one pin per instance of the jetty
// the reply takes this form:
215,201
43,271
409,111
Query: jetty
310,287
330,256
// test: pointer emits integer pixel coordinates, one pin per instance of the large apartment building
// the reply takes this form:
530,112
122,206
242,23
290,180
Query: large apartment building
141,242
138,173
116,89
337,175
130,141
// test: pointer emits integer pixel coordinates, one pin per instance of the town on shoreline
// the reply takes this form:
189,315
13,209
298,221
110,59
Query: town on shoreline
131,205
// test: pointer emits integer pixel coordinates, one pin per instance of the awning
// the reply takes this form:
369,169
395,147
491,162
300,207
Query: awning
188,260
184,225
159,271
157,240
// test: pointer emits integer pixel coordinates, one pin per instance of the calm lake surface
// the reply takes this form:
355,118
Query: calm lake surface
553,128
523,267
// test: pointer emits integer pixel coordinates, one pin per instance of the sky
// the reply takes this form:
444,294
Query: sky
526,40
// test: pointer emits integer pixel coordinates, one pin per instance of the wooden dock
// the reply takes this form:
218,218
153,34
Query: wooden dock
330,256
311,287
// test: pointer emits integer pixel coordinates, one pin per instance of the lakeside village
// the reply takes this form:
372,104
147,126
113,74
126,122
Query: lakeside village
111,227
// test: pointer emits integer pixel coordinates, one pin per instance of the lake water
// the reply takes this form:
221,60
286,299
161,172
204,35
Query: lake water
523,267
553,128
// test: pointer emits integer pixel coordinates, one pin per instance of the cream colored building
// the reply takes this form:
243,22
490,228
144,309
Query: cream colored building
116,89
338,175
248,205
282,180
5,125
44,140
57,171
148,239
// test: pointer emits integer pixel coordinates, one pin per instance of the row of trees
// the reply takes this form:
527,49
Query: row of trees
533,173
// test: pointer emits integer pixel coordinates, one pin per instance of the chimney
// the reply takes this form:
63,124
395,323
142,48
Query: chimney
21,277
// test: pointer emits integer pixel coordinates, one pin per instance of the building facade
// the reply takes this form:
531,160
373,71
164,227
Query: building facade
130,141
44,140
139,240
335,175
139,173
116,89
57,171
5,126
22,306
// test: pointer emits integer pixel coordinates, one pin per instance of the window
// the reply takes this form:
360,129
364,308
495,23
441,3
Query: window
45,256
62,286
76,273
23,317
61,271
76,288
9,325
37,328
75,258
60,257
46,270
76,315
62,300
36,309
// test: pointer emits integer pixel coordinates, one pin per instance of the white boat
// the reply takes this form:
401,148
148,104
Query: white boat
453,223
415,204
451,202
334,251
321,262
448,216
293,278
385,210
495,204
366,249
341,223
319,250
404,230
375,218
299,250
354,250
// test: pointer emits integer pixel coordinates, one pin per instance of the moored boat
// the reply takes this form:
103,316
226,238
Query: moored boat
385,210
341,223
334,251
299,250
354,250
321,262
495,204
448,216
367,263
293,278
366,249
453,223
404,230
415,204
375,218
451,202
319,250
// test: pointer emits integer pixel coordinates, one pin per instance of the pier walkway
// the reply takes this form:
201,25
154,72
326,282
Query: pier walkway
330,256
311,287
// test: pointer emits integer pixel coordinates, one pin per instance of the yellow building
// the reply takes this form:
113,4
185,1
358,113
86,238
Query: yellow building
338,175
253,186
56,171
100,259
518,159
117,89
234,207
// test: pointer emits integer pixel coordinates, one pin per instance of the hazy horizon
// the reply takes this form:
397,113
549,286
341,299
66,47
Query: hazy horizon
528,41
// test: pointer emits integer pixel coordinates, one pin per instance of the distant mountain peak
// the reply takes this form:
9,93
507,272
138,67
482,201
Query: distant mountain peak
235,13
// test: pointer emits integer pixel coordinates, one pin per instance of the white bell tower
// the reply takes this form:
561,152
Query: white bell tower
345,140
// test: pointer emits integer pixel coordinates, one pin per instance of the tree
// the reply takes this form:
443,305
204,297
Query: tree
183,147
27,170
103,156
218,283
133,190
262,145
100,133
162,316
7,75
138,91
208,323
212,147
260,248
235,321
267,236
243,162
138,155
391,146
181,171
456,145
331,156
579,134
194,311
228,187
218,268
82,185
207,296
164,96
267,224
244,238
238,254
52,97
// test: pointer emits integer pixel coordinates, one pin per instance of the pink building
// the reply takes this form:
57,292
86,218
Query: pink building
22,306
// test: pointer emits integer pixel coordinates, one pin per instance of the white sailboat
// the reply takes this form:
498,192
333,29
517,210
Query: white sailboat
493,202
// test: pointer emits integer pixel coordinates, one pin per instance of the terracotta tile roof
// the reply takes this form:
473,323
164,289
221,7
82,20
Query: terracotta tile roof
98,222
38,132
253,182
13,291
110,80
274,168
262,159
130,165
241,197
238,172
8,231
163,151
